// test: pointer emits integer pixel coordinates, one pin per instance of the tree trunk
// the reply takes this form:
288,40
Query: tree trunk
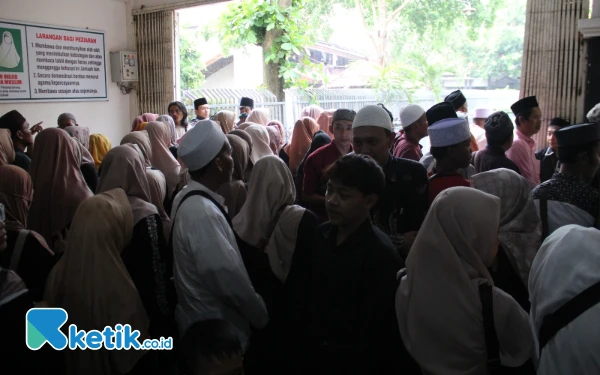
271,70
274,83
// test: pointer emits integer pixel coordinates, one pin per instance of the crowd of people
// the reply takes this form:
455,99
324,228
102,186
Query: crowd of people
341,250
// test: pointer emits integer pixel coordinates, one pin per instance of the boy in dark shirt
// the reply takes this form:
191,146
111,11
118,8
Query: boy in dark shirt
21,135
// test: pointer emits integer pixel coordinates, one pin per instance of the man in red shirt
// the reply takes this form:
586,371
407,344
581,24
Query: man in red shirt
315,182
414,125
450,146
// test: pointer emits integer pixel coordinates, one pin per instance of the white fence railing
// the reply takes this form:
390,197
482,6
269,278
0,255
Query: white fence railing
288,112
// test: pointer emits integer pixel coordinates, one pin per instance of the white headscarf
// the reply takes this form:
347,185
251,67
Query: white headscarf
438,305
520,226
566,265
271,194
260,142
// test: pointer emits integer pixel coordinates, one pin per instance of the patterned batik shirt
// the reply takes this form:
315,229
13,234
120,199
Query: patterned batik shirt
570,201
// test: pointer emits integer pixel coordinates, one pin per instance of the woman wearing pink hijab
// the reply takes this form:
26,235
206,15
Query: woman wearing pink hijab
282,143
325,120
304,130
313,111
146,117
58,184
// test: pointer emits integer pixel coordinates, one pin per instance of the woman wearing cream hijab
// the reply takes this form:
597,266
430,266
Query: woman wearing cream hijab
162,158
91,282
260,146
259,116
271,227
156,179
234,191
146,256
58,184
226,120
438,302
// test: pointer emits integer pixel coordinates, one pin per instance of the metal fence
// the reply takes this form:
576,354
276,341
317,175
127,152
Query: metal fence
229,100
289,111
358,98
329,99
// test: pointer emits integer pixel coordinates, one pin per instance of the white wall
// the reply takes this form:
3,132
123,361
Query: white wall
112,117
223,79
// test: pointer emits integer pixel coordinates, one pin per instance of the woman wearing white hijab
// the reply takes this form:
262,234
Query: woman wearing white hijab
269,223
259,116
520,230
566,265
438,302
9,57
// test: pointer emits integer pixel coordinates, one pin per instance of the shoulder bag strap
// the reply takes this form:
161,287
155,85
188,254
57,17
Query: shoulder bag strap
491,338
567,313
16,255
544,217
190,194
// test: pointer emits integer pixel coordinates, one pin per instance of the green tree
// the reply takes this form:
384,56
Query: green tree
382,18
497,54
279,26
284,32
191,65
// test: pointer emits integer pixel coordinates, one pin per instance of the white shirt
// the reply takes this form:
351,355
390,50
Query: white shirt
210,278
562,213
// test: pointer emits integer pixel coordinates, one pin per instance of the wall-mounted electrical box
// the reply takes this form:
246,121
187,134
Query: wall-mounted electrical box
124,66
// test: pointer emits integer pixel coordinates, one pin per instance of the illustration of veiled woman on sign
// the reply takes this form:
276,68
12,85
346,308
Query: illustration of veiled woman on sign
9,57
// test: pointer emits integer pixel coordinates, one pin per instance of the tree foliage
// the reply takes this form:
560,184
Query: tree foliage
247,22
497,53
416,41
191,65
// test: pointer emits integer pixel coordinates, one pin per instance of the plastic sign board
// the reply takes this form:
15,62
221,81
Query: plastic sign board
47,63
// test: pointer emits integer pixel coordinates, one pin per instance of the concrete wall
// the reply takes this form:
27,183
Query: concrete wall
113,117
221,79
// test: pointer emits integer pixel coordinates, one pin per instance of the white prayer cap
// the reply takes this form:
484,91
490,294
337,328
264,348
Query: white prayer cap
449,132
483,113
373,115
201,145
410,114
